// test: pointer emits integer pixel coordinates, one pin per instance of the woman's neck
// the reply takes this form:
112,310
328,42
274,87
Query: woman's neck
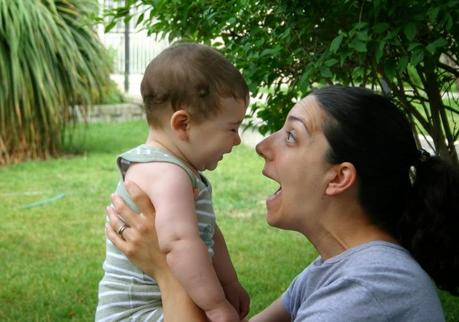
340,231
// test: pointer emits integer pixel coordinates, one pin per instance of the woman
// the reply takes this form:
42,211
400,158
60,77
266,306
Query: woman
381,214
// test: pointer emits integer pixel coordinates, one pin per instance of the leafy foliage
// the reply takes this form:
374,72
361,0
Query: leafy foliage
406,49
50,61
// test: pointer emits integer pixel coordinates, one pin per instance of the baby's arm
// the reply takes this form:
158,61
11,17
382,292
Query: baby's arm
226,273
170,190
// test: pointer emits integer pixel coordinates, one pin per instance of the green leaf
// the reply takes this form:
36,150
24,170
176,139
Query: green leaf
360,25
449,22
139,19
433,13
410,31
389,69
270,52
380,51
127,19
331,62
110,26
417,56
363,35
380,27
414,46
325,72
336,43
433,46
358,45
403,62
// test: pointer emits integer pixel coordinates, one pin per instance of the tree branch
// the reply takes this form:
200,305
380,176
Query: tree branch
449,69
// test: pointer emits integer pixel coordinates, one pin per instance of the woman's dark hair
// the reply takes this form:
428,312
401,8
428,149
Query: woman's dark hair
412,196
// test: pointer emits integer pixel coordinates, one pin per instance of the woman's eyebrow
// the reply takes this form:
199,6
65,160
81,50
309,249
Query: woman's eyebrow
297,119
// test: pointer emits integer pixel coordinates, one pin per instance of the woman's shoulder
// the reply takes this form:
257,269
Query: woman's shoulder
379,275
377,262
383,270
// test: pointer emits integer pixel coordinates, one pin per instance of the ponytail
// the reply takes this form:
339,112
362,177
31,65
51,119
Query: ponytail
429,228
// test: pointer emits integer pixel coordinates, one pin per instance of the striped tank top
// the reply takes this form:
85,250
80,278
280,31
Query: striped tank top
125,292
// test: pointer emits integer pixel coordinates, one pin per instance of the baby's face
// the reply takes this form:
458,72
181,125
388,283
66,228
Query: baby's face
213,138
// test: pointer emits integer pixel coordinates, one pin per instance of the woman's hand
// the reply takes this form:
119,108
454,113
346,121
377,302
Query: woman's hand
138,241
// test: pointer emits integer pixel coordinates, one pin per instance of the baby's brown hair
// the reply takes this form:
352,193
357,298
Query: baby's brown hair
190,76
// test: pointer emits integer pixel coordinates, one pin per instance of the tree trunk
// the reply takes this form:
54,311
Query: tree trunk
443,140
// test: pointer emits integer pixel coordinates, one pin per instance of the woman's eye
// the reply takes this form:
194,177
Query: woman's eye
290,137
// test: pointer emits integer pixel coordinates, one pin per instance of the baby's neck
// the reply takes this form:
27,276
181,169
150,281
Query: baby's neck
159,139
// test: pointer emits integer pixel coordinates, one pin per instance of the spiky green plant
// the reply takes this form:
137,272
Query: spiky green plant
51,61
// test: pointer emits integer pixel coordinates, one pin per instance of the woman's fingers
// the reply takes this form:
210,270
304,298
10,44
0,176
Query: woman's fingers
140,198
112,228
113,217
122,210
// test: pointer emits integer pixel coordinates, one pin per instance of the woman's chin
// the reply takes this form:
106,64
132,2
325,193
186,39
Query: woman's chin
273,206
272,217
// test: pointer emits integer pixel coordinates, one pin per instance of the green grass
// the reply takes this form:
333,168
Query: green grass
51,255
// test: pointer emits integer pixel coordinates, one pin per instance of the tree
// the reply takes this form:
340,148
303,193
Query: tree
407,49
50,61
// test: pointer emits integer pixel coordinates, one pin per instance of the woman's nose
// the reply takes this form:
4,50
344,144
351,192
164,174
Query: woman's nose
262,148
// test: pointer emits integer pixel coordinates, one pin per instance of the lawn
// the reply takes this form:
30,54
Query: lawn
52,238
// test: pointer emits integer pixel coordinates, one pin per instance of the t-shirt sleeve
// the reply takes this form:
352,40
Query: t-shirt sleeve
288,296
343,300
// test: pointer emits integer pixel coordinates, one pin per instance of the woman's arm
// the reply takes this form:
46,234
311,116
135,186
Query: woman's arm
227,275
140,243
273,313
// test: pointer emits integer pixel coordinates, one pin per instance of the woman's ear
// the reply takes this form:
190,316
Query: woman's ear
342,178
180,124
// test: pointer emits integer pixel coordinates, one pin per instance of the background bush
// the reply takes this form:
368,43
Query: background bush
51,61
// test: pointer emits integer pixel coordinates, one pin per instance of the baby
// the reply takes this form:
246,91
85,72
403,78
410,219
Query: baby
195,101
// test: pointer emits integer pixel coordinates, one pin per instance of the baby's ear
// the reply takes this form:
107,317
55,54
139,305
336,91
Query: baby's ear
180,123
341,178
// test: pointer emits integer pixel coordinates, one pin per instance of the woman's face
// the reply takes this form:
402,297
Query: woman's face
295,158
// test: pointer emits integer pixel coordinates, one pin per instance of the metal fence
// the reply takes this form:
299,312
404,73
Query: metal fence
142,48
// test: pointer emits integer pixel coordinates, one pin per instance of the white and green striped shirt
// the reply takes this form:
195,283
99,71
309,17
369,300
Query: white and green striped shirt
125,292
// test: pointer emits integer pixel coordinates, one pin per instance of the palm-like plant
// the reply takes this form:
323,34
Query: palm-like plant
51,61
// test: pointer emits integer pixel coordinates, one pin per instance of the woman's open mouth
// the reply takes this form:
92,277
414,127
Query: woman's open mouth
271,200
275,195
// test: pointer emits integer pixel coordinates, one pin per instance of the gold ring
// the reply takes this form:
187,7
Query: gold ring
122,228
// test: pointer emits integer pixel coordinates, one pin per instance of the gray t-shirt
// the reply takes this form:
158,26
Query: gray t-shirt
377,281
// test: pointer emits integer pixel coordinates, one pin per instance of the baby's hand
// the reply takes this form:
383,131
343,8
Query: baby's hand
223,313
238,297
